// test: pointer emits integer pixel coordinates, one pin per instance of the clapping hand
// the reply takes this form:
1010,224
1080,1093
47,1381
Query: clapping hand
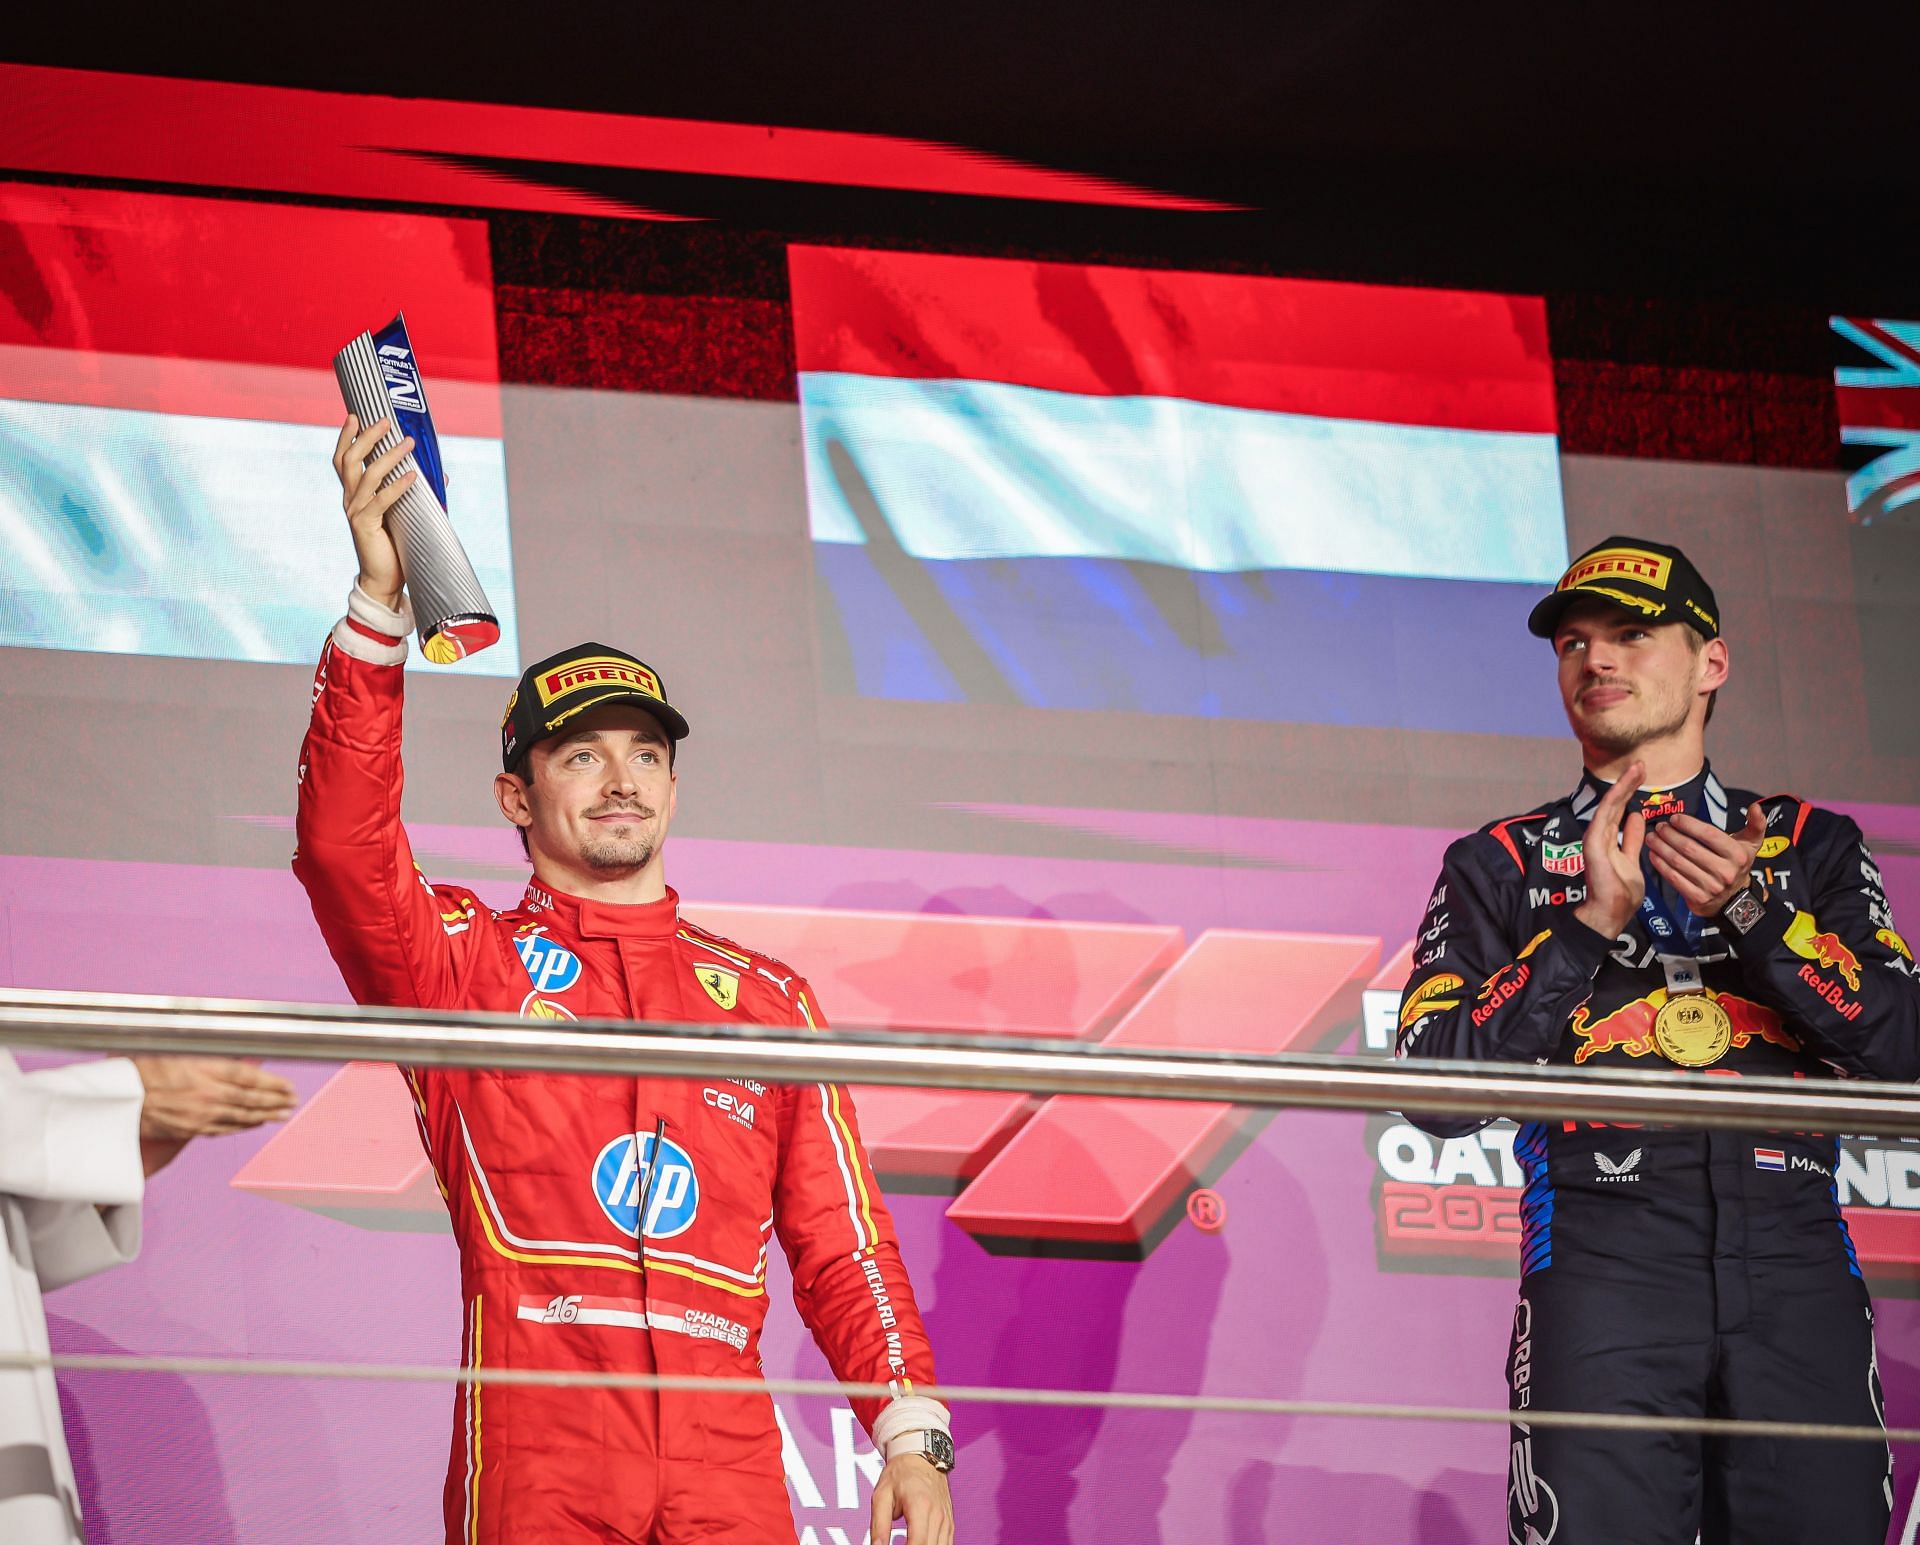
1615,885
1703,864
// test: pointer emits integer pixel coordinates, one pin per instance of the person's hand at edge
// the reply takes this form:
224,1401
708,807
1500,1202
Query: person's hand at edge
189,1097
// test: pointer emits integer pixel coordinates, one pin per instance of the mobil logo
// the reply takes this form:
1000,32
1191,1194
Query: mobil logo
549,967
628,1168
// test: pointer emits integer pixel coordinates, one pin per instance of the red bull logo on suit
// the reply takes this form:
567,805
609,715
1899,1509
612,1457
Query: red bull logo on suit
1629,1028
1823,949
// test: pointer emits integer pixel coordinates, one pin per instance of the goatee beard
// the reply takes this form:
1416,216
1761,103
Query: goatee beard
617,853
1618,743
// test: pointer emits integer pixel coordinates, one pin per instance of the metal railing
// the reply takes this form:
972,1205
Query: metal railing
120,1023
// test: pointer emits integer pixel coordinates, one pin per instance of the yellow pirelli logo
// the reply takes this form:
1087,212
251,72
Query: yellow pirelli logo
594,671
1626,562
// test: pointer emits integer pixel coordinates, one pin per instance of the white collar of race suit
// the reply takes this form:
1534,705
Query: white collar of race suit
1703,785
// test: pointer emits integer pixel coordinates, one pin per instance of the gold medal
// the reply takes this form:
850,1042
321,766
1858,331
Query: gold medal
1692,1030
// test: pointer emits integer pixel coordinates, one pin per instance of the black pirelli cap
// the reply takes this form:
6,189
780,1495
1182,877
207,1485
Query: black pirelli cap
1657,581
570,682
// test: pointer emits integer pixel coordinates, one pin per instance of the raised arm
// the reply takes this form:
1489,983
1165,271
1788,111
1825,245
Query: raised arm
396,940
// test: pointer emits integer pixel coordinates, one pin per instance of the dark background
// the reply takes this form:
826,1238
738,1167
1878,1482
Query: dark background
1739,153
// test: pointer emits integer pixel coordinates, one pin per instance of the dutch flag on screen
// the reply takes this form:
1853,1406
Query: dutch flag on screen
1769,1158
1082,487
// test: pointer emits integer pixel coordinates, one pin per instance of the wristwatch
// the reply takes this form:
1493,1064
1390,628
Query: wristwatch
1744,911
934,1446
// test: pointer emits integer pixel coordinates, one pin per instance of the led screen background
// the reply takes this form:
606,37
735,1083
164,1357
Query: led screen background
1077,487
959,860
167,400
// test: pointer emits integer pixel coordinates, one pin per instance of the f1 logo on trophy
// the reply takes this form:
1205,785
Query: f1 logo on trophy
379,378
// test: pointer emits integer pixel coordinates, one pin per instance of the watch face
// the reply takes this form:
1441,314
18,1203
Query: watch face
1744,911
940,1449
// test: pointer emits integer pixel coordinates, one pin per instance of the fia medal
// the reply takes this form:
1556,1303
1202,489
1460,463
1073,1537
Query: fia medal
1690,1029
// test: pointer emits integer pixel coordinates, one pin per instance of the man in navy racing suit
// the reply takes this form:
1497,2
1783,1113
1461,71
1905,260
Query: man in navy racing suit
1654,917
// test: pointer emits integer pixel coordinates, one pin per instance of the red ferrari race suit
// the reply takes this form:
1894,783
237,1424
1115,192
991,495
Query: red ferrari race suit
545,1176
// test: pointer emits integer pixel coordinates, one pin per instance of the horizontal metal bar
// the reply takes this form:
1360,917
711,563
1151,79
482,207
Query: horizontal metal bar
121,1023
953,1394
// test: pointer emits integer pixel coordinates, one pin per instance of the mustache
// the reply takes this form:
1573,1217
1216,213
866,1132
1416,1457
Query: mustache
623,807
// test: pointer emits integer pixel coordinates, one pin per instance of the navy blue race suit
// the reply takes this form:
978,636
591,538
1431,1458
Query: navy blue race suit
1668,1271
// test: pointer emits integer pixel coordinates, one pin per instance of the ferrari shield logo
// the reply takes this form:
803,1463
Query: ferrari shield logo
722,985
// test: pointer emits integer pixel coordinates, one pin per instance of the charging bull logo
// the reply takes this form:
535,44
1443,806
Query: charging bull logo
1629,1029
1508,981
1505,983
1823,949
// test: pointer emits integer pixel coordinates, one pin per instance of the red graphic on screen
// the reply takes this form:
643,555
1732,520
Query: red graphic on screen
1451,359
225,309
1055,1176
1206,1211
92,123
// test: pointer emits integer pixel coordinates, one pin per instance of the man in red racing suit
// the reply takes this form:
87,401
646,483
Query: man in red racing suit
603,1223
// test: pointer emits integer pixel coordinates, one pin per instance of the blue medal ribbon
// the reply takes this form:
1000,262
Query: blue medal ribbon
1666,925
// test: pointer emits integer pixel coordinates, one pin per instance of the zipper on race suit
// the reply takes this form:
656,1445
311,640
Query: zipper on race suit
646,1186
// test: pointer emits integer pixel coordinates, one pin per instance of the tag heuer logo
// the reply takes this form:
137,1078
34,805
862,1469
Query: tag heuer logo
1568,859
722,985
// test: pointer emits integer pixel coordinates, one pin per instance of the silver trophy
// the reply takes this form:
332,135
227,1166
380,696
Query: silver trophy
379,378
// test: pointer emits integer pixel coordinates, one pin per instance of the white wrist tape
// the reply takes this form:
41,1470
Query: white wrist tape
369,613
904,1418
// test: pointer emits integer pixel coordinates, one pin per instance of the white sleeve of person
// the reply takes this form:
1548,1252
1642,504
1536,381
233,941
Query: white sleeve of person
369,613
905,1417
